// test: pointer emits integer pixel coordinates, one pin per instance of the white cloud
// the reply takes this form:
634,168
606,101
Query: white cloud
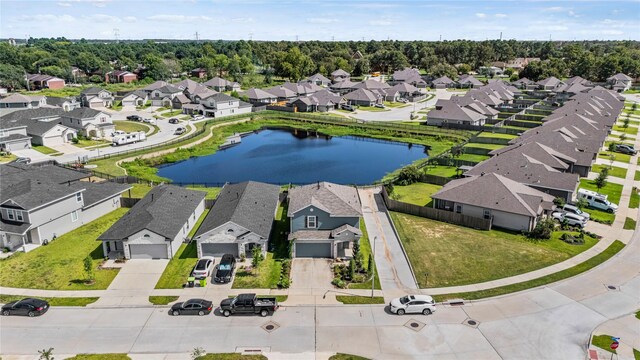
501,16
46,17
242,20
554,9
177,18
321,20
481,15
612,32
129,19
557,28
102,18
573,14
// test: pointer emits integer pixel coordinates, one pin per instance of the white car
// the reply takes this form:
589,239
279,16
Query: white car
418,304
570,218
198,117
150,121
203,267
118,132
574,210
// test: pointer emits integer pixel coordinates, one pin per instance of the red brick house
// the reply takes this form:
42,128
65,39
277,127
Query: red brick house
120,76
199,73
42,81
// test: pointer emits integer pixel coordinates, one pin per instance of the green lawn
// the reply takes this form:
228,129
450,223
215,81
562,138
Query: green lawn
365,248
395,104
629,130
140,190
6,157
58,266
87,143
473,157
608,253
162,300
484,146
441,170
169,114
629,224
131,126
341,356
100,357
231,356
350,300
616,156
266,276
371,108
603,342
453,255
613,170
45,150
212,192
417,193
636,177
58,301
487,134
634,201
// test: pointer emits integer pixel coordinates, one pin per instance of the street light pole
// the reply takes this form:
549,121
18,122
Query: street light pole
373,266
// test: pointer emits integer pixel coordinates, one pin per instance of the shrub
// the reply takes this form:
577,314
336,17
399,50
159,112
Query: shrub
352,269
338,282
257,257
543,230
559,202
75,140
408,175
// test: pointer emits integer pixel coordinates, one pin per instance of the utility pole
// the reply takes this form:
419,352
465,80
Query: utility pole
500,35
440,37
197,36
116,35
250,36
373,267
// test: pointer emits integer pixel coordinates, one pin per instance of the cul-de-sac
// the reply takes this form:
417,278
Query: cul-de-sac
319,180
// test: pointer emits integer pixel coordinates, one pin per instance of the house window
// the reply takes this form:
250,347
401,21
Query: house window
486,214
312,222
459,209
19,216
230,102
3,133
74,216
79,197
11,215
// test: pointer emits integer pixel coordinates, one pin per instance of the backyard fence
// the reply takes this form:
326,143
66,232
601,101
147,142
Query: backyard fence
435,214
434,179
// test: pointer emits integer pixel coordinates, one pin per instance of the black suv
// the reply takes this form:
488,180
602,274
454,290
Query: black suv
134,118
224,272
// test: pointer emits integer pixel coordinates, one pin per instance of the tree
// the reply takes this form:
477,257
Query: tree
12,77
46,354
370,265
559,202
256,256
543,230
464,69
362,67
509,71
88,267
440,70
352,269
601,180
582,203
408,175
293,64
155,67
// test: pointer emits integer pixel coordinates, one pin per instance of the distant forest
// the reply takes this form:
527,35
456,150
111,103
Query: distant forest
239,60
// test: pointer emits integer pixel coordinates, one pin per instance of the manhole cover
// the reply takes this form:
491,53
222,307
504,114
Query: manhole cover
414,325
611,287
472,322
270,326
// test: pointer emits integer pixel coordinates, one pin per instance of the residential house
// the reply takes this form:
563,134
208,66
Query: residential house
523,83
442,83
42,81
471,103
156,226
41,203
191,88
469,82
20,101
120,76
95,97
371,84
403,91
619,82
302,88
240,220
339,75
282,93
507,203
259,96
180,101
550,83
48,133
363,97
324,220
343,87
13,135
154,86
134,98
89,122
319,80
322,101
65,103
219,84
199,73
408,75
220,105
519,64
164,95
450,112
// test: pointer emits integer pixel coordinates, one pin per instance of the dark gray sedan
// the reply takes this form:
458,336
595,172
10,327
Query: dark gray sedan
192,307
26,307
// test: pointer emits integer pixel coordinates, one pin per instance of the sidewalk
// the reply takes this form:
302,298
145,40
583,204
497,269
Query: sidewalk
627,328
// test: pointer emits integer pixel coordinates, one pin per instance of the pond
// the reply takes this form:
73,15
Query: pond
296,156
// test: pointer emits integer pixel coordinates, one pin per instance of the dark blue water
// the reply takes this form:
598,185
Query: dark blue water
281,157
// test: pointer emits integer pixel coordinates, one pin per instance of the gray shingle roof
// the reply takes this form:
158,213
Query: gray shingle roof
361,95
258,94
39,113
96,192
249,204
38,128
450,110
32,193
164,210
335,199
12,137
92,91
340,72
82,113
371,84
15,98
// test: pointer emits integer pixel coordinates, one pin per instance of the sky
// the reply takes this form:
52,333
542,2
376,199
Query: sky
321,20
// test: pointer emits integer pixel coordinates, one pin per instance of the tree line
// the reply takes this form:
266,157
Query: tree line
593,60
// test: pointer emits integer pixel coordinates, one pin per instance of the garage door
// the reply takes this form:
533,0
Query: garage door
219,249
148,251
313,250
53,140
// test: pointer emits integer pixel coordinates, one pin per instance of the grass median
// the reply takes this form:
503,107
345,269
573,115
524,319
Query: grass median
53,301
360,300
162,300
608,253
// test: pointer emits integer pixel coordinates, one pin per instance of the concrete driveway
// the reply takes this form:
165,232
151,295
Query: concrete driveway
310,273
139,274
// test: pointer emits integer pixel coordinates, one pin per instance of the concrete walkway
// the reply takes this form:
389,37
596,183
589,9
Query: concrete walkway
627,328
394,271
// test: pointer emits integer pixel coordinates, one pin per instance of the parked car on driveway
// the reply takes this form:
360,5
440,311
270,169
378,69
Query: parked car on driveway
203,267
173,121
192,307
134,118
180,131
417,304
347,107
571,219
597,201
150,121
381,106
249,304
22,160
28,307
574,210
198,117
224,272
625,149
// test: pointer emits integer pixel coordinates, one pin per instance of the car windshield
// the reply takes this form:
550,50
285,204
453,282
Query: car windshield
202,264
224,267
404,300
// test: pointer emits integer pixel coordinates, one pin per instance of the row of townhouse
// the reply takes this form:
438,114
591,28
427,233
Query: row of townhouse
40,203
516,186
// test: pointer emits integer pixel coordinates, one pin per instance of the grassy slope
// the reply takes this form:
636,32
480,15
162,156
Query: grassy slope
130,126
454,255
58,266
417,193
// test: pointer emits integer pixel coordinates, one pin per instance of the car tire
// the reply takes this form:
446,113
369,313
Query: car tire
200,313
176,312
31,314
264,312
426,312
610,211
226,313
400,312
6,313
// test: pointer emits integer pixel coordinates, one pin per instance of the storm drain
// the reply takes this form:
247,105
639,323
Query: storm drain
472,323
270,326
612,287
415,325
